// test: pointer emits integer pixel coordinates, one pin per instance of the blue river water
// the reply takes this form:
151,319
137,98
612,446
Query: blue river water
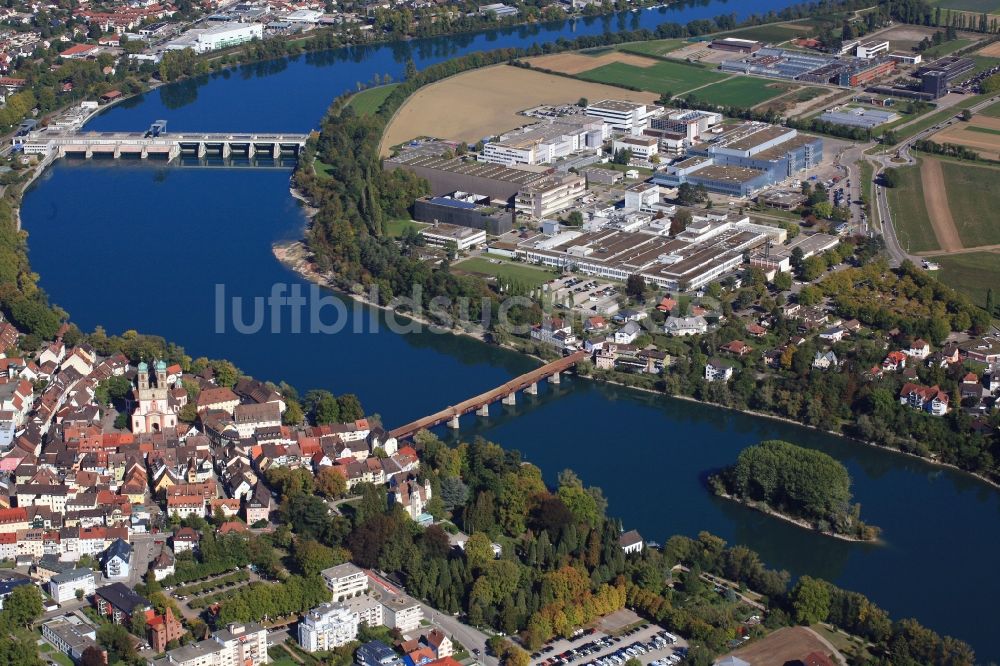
150,247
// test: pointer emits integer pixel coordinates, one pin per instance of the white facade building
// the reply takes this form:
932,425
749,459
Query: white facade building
345,580
326,627
219,37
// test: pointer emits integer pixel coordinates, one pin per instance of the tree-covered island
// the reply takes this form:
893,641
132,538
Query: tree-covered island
805,486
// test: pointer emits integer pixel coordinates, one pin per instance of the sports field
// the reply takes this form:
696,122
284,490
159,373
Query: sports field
909,214
655,47
742,91
523,274
368,101
662,77
974,198
485,102
971,273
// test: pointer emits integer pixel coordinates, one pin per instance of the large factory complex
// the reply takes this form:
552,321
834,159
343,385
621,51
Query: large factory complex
514,194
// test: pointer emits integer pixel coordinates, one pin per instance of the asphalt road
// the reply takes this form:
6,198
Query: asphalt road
897,253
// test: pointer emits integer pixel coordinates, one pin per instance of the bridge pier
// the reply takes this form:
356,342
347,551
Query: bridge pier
453,422
484,410
510,399
554,378
532,389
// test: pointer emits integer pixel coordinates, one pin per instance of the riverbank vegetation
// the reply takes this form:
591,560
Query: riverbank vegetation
559,567
798,483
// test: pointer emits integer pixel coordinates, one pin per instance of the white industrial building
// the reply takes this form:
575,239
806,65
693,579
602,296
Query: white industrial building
220,37
542,143
626,117
326,627
642,147
872,49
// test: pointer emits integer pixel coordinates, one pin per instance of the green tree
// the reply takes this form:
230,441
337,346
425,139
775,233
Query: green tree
811,600
24,605
116,639
331,483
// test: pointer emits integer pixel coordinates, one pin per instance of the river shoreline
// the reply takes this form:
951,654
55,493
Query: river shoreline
800,522
293,255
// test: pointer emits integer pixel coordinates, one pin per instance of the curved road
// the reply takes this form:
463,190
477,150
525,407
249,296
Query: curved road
894,248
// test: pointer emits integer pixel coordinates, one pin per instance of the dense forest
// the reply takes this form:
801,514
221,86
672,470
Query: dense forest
796,482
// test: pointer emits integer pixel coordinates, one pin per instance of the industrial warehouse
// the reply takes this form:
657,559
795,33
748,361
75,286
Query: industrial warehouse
811,67
744,159
709,248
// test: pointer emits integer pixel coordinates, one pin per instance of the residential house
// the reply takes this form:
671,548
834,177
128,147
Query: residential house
825,360
554,332
242,644
117,559
930,399
737,347
185,539
919,349
258,506
894,361
684,326
631,542
439,643
411,495
118,602
718,371
628,333
162,629
63,587
833,334
377,653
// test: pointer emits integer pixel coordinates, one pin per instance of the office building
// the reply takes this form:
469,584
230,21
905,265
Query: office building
203,40
465,210
872,49
326,627
621,116
446,235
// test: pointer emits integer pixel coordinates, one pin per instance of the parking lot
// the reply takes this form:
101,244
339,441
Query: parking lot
648,643
590,296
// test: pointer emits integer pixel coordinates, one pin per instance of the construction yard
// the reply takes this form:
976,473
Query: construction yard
485,102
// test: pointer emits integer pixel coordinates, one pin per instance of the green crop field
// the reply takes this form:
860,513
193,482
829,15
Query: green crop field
978,6
367,102
971,192
909,214
655,47
774,33
528,276
984,130
971,274
663,77
742,91
992,111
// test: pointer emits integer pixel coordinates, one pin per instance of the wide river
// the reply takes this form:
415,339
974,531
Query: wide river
143,246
